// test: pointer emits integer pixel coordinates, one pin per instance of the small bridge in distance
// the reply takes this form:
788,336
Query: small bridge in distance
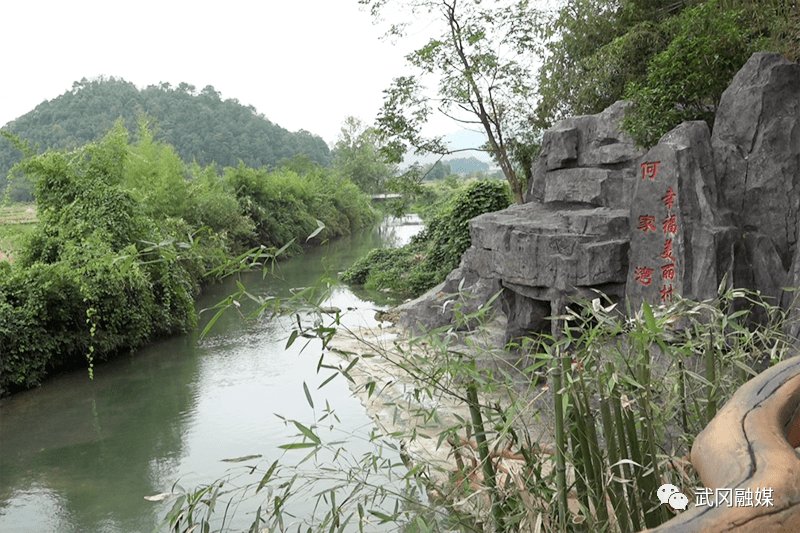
384,197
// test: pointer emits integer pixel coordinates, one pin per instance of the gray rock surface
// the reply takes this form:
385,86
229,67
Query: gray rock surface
756,144
676,231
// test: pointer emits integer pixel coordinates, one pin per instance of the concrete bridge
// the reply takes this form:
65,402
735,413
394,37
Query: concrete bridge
384,197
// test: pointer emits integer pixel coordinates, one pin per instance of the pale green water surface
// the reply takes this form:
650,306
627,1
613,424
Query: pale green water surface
79,455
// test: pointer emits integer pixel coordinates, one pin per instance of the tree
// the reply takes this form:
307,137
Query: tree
482,59
601,51
357,156
686,81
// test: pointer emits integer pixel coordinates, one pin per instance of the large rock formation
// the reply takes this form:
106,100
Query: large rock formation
756,145
679,243
600,214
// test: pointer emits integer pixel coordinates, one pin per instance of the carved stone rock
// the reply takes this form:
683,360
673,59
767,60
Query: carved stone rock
676,232
600,214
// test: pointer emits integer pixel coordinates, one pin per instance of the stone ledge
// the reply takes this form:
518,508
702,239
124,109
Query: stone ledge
750,444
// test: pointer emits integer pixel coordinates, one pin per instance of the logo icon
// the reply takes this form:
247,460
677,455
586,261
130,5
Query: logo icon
670,494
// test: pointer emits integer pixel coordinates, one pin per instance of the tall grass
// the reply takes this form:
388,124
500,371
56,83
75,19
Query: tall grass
623,401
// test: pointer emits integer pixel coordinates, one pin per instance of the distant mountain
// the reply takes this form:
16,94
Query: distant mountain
465,165
199,125
458,140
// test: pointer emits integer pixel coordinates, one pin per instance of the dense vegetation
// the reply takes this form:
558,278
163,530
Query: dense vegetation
127,235
434,252
672,58
201,126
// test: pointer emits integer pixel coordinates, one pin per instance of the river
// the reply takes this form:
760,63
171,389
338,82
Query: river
79,455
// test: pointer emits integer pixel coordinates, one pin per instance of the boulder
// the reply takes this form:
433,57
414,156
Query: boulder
756,143
677,219
595,149
676,230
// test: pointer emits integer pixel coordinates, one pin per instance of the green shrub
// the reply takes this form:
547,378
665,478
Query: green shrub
434,252
686,81
126,235
88,283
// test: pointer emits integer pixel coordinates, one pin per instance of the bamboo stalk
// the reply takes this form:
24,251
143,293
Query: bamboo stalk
598,484
682,394
578,461
483,452
649,437
561,447
711,376
617,496
630,489
645,487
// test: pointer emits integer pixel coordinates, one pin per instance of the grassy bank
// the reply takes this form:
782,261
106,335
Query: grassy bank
16,221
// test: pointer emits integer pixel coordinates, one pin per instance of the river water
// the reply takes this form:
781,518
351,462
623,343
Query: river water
80,455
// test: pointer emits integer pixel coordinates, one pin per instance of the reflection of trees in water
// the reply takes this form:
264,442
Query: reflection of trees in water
102,445
396,232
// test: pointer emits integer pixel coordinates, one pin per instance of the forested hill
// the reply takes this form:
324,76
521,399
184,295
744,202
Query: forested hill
199,124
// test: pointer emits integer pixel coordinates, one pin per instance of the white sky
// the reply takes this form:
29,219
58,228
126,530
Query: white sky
304,64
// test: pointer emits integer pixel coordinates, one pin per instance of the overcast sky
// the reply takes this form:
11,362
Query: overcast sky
304,64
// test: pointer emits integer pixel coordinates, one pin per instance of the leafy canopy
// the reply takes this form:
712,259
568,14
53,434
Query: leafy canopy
357,155
672,58
482,61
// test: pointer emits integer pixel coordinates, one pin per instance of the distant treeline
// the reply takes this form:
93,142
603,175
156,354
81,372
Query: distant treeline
466,165
201,126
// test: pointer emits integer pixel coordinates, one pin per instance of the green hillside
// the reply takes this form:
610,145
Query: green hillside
200,125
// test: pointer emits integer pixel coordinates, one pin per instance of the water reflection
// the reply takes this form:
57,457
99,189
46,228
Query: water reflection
79,455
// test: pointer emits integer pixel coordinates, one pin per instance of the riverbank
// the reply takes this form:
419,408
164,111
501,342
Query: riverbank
431,421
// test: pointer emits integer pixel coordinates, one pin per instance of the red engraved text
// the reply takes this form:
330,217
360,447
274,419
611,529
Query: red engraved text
669,199
647,223
668,272
670,225
666,293
643,275
650,169
667,253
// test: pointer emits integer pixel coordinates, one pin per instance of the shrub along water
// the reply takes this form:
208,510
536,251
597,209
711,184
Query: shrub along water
434,252
127,235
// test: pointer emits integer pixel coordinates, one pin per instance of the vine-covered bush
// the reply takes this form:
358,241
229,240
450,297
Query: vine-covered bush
126,236
71,295
434,252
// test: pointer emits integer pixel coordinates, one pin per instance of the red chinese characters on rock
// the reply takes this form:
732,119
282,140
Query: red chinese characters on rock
668,271
647,223
644,275
666,293
650,169
669,199
670,225
667,253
